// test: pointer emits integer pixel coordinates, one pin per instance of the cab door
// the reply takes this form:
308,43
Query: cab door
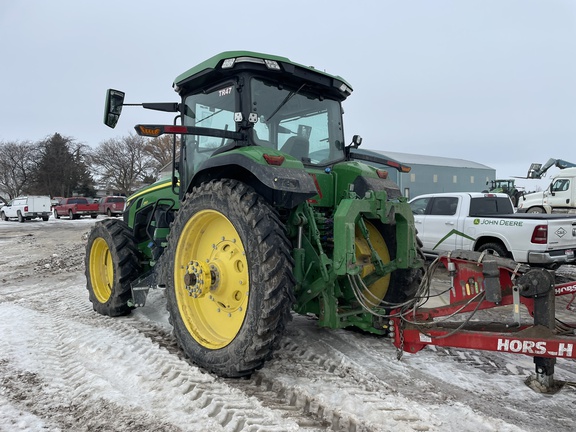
435,219
440,223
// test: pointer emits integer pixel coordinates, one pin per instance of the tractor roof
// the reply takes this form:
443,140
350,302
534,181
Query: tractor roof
230,63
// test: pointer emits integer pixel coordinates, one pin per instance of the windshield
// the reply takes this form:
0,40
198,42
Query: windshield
297,122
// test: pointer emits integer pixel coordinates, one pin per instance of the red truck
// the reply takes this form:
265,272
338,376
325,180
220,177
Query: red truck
111,205
75,207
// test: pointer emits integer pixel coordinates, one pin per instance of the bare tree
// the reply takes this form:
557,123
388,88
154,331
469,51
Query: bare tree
122,163
160,150
17,160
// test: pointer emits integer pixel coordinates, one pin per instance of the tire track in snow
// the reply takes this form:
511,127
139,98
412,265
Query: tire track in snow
132,376
436,378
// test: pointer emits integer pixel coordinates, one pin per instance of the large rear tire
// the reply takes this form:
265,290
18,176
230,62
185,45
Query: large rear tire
111,264
228,276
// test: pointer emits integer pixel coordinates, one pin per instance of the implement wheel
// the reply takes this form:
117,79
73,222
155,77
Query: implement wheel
111,264
228,277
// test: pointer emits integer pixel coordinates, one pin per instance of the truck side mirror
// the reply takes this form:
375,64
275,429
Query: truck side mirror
113,107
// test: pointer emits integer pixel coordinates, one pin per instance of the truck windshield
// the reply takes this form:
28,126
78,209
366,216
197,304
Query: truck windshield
297,122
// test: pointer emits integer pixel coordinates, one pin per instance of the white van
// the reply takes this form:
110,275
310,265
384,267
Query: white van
26,208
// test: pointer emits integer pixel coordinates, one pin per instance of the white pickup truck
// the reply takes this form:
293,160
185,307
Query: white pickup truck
487,222
26,208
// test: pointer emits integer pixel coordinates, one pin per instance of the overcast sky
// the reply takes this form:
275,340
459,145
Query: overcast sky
492,81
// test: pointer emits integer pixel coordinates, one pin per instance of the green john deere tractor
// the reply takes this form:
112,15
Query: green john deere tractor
266,211
506,186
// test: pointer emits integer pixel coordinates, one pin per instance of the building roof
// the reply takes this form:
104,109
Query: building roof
415,159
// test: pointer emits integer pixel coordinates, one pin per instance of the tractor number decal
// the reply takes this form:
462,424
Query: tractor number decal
225,91
450,234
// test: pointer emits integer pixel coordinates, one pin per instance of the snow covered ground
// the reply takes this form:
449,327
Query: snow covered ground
65,368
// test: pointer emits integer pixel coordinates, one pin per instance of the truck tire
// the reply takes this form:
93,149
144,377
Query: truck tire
93,216
45,218
71,215
496,249
56,215
536,210
225,236
111,264
21,218
109,212
3,216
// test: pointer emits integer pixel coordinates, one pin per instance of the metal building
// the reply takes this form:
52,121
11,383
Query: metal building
433,174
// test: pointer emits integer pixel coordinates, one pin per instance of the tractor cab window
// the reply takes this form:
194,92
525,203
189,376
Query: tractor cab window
297,122
214,109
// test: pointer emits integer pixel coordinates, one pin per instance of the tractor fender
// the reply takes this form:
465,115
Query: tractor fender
281,187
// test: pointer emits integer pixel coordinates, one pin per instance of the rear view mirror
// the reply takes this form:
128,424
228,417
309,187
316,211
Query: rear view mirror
113,108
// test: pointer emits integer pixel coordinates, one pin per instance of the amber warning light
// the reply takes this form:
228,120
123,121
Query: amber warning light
157,130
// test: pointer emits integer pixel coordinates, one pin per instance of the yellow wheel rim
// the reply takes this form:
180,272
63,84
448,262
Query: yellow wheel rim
211,279
379,288
101,270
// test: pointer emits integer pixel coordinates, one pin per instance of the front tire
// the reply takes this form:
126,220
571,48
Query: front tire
495,249
536,210
21,218
111,264
228,276
56,215
4,217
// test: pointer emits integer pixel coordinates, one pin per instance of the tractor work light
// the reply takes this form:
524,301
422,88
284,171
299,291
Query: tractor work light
272,64
230,62
345,89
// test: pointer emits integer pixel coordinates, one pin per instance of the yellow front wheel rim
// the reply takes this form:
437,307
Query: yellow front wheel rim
101,270
211,279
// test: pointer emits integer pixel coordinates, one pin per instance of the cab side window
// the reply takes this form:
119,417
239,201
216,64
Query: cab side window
418,206
444,206
561,185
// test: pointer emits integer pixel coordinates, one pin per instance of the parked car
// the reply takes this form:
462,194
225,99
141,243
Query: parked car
112,205
26,208
75,207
